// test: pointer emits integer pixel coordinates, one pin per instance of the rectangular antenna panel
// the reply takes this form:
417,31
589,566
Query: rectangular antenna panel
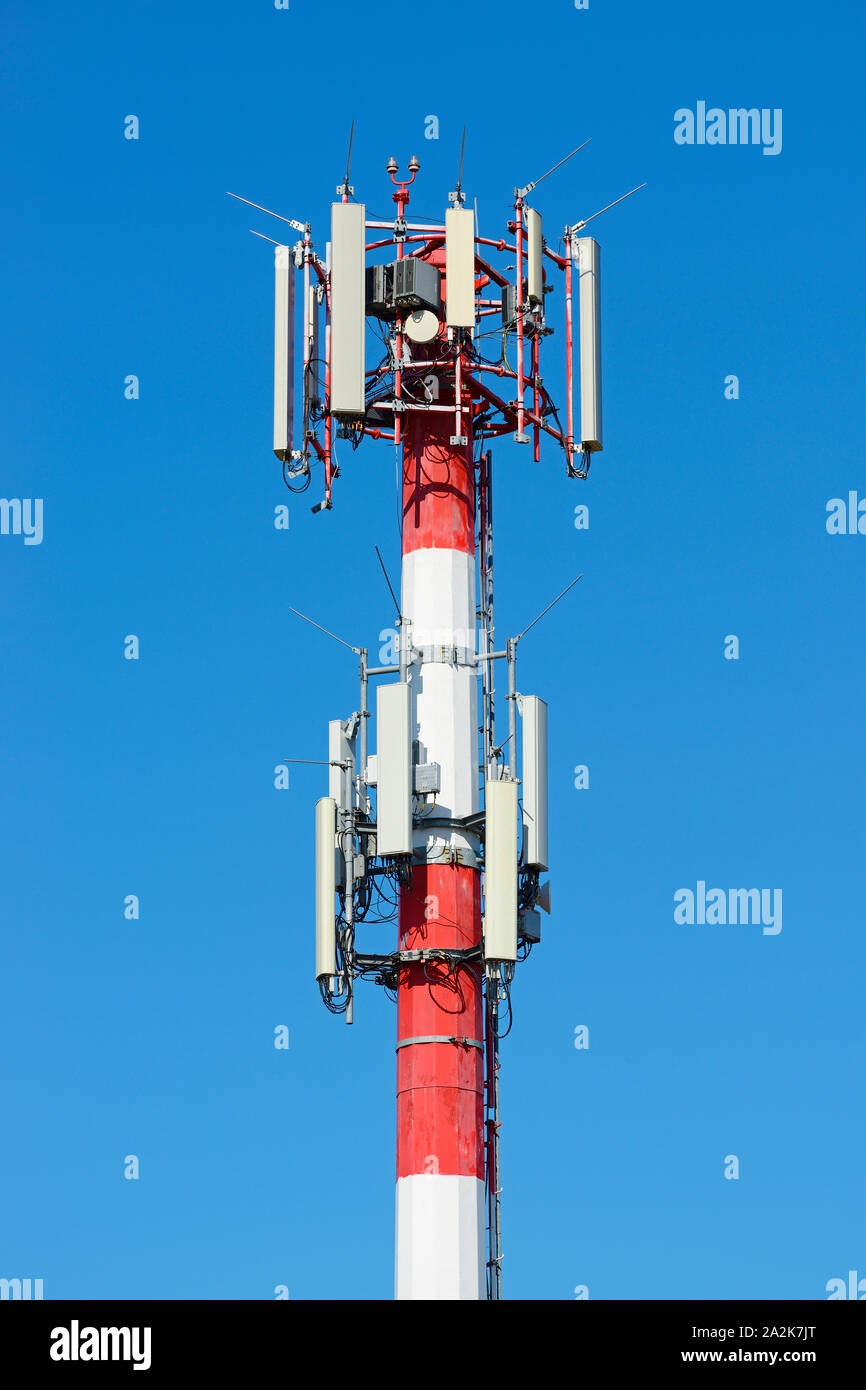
340,750
416,285
347,308
587,256
500,871
427,778
534,713
394,769
509,310
379,281
326,887
284,350
534,272
529,925
460,268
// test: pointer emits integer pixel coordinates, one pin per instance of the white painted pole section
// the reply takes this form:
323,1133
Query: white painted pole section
440,1237
439,602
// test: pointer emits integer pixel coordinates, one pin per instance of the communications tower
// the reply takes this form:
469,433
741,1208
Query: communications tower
443,827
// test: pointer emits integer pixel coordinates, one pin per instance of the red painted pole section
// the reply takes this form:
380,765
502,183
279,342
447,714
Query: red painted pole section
440,1086
438,487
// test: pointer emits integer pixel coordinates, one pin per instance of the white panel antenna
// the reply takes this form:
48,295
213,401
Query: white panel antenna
500,871
347,308
326,887
534,248
534,713
587,256
284,350
340,750
460,268
394,769
340,788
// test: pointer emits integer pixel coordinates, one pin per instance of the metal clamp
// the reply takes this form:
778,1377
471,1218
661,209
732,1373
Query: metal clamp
445,654
437,953
441,1038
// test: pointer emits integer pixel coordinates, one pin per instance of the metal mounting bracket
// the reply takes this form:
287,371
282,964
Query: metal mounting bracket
440,1038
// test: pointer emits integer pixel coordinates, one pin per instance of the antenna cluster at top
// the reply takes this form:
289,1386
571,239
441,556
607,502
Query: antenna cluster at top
430,328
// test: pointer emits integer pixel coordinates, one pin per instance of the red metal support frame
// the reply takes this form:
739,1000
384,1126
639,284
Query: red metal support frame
401,198
569,351
536,397
329,426
518,217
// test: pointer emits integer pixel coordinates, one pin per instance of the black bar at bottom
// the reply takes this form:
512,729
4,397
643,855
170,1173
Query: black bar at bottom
162,1339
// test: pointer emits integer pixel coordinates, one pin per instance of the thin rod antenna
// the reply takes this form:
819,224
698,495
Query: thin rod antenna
266,238
529,187
548,608
349,155
460,167
577,226
388,582
325,630
291,221
316,762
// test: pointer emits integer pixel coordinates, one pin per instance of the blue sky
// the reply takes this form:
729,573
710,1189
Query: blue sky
155,777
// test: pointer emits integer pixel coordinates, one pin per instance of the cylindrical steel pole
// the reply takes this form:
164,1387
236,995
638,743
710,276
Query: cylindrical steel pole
440,1241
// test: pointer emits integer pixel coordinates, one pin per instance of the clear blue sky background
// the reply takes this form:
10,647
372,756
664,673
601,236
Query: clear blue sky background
707,517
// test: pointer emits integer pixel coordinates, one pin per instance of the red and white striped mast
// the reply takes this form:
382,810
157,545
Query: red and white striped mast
441,834
440,1249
